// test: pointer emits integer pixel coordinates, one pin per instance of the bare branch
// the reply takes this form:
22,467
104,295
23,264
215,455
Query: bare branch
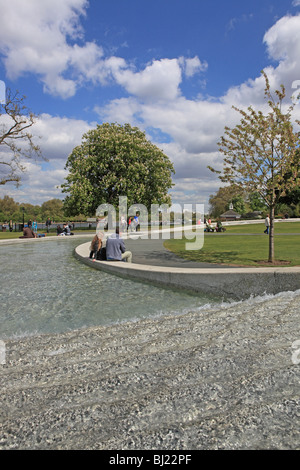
16,120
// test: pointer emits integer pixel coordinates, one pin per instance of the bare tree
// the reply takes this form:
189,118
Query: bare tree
16,141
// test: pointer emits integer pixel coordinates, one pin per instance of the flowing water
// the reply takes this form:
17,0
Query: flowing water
44,289
192,373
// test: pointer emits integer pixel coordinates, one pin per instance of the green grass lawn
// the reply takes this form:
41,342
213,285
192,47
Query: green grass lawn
282,226
10,235
244,245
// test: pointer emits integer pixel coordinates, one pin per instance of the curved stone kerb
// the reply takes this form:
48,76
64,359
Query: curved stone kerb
236,283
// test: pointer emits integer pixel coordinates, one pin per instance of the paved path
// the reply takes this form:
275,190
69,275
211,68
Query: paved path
153,253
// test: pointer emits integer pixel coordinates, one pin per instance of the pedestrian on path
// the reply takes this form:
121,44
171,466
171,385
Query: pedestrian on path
267,224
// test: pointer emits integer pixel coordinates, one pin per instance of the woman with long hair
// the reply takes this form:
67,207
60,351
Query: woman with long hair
96,245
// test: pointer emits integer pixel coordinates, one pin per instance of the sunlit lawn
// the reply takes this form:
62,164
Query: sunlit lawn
9,235
280,226
247,249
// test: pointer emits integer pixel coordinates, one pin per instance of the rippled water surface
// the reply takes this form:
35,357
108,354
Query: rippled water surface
44,289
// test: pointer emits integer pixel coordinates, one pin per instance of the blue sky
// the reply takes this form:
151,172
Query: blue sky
172,67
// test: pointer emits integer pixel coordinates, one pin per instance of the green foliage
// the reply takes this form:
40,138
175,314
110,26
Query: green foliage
260,153
292,197
296,210
114,161
11,210
8,205
238,204
256,203
52,209
219,203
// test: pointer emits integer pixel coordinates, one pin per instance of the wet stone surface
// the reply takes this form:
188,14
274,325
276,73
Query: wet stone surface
222,378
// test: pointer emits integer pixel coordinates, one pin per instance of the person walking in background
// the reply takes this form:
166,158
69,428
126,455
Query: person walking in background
136,222
48,223
267,224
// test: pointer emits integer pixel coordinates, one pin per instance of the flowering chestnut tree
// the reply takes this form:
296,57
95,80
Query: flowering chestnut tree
113,161
261,153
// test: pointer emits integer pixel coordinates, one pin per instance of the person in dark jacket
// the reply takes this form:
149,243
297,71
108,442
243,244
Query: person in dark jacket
48,224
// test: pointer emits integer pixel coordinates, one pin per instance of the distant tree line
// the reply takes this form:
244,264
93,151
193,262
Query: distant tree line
245,203
11,210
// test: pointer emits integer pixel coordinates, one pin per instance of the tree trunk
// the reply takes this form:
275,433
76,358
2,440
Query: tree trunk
271,235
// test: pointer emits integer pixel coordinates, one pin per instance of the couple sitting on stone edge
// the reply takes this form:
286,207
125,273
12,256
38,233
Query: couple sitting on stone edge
113,251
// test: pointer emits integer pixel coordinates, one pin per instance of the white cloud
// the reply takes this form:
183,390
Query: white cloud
193,66
282,42
37,186
56,136
122,110
155,98
158,81
36,37
195,126
39,37
194,191
59,135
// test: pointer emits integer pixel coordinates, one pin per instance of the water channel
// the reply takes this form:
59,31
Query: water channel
44,289
194,373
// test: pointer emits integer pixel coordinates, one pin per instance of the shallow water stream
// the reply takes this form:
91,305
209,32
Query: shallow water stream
44,289
192,373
